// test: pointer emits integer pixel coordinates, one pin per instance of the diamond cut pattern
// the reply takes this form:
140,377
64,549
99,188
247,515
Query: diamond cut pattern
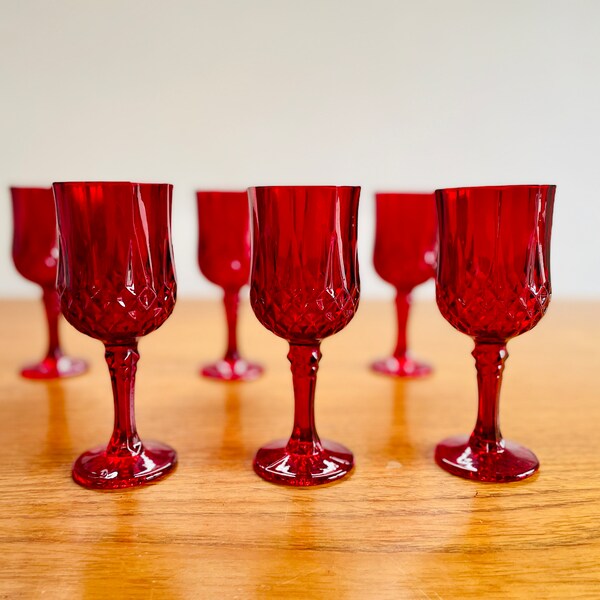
482,312
493,279
305,283
123,313
292,316
116,273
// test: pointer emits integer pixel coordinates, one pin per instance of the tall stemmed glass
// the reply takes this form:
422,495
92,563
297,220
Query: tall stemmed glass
117,283
35,254
493,283
304,288
224,259
405,252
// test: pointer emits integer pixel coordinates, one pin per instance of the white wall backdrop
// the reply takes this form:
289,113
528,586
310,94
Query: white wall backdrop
387,94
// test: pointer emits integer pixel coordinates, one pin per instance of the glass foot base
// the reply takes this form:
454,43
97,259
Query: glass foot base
97,470
51,368
401,367
233,370
514,463
329,462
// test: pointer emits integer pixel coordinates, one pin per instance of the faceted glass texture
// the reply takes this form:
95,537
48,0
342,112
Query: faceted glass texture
305,283
494,268
304,288
493,283
117,283
116,275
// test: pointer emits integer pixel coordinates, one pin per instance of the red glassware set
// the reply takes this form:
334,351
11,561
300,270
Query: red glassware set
35,255
116,283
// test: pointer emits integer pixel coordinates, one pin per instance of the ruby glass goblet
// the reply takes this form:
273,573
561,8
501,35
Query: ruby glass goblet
35,254
224,259
493,283
405,249
117,283
304,288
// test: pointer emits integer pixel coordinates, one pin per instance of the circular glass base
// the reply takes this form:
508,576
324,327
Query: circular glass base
401,367
320,463
458,457
52,368
98,470
232,370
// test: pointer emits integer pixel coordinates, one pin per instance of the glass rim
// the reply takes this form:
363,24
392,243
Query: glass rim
107,183
405,193
243,191
531,186
29,187
305,187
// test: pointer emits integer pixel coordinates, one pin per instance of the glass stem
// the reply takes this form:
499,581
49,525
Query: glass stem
231,299
489,362
304,361
52,306
122,364
402,308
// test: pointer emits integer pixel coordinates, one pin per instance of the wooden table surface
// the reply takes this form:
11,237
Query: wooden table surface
399,527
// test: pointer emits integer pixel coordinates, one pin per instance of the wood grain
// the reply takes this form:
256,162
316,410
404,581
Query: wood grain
398,528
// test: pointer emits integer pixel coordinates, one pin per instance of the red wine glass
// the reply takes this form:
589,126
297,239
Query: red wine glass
35,255
304,287
493,283
117,283
224,259
405,252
